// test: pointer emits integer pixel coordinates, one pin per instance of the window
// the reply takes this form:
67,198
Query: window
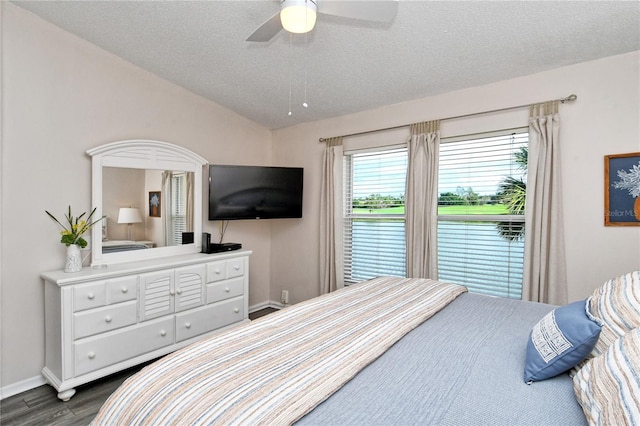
481,187
374,232
178,206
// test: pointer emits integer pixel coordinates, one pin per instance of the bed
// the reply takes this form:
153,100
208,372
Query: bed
419,352
113,246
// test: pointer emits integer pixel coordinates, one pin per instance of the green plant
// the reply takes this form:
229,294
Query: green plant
77,226
512,192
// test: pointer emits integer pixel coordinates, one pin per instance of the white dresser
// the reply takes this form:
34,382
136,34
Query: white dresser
100,321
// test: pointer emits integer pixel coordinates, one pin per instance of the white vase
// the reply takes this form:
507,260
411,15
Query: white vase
74,260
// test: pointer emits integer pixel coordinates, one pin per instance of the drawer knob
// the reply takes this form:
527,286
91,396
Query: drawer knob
227,289
91,296
187,325
107,318
217,271
237,268
92,355
163,333
124,289
236,310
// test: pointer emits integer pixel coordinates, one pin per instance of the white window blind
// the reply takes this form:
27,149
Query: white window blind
374,224
481,234
178,206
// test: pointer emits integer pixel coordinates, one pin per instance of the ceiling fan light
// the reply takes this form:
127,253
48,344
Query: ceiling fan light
298,16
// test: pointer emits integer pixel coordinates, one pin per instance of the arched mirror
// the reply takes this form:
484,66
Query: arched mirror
151,195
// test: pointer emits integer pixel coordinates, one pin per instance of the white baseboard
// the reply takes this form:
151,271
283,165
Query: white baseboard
22,386
34,382
264,305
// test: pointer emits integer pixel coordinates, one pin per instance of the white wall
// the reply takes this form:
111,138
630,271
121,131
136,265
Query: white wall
60,97
152,225
604,120
122,188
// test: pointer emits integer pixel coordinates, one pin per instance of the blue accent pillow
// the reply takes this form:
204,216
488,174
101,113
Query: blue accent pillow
560,341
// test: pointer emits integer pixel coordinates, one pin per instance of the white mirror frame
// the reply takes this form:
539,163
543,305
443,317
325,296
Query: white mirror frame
144,154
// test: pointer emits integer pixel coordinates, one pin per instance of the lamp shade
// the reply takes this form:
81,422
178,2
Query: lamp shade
298,16
129,215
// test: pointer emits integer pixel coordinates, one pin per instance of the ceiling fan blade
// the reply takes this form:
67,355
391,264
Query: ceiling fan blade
369,10
267,30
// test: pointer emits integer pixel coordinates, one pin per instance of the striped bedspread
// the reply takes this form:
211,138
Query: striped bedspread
277,368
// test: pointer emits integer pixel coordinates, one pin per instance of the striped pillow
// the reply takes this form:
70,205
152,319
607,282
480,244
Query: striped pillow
617,304
607,387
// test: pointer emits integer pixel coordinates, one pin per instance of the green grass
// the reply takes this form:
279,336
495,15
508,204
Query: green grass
390,210
484,209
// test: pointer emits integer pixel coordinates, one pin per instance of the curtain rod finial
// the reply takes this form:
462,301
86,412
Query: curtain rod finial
569,98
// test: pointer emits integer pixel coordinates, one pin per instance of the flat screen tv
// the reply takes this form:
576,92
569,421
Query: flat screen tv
254,192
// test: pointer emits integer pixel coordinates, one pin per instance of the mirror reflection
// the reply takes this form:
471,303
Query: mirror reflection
146,208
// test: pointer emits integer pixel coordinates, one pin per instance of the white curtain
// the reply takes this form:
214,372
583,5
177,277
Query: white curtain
544,277
331,207
189,196
421,200
165,209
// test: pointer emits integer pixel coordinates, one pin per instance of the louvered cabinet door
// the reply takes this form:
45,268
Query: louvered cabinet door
189,287
156,294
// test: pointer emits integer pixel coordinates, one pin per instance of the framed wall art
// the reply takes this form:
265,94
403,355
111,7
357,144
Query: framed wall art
622,189
154,203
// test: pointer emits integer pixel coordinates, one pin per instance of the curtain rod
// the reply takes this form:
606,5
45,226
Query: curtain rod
569,98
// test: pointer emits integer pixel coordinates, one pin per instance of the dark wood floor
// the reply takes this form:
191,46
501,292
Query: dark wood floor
41,406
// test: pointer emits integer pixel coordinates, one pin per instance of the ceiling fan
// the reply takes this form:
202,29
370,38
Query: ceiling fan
299,16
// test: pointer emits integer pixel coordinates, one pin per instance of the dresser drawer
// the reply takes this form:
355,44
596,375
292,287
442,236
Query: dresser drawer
122,289
89,296
101,351
223,269
225,290
208,318
216,271
235,268
104,319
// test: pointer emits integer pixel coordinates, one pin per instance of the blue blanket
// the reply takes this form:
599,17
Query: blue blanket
464,366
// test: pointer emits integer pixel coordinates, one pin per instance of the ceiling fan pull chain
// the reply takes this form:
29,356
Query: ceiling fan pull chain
306,62
290,71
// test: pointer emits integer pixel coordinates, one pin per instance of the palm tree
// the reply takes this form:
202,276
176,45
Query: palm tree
522,158
512,192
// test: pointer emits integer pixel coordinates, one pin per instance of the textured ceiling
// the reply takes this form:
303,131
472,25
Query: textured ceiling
431,47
